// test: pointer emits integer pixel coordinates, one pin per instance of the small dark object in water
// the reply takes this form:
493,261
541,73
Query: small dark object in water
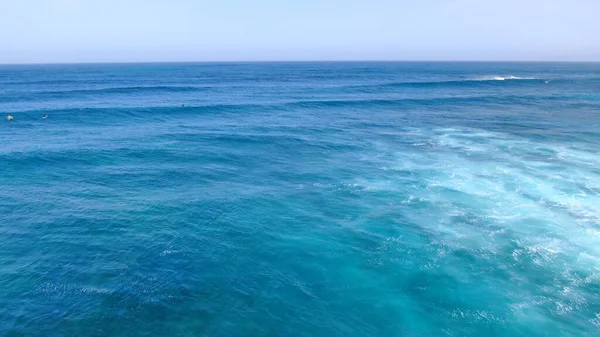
182,105
44,116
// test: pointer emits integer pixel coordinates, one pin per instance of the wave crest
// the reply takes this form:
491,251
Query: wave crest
502,78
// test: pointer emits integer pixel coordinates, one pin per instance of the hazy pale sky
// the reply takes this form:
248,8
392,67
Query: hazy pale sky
229,30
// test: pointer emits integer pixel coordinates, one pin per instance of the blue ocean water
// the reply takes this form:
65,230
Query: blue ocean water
300,199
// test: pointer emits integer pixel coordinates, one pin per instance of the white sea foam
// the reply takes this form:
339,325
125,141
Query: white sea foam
501,78
522,203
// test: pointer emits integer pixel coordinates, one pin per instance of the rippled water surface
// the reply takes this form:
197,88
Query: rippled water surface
300,199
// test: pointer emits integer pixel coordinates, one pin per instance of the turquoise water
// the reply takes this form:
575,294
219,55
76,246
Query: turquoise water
300,199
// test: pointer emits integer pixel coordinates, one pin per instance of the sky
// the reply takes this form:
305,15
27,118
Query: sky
49,31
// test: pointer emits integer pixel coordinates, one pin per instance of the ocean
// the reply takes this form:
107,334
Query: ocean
300,199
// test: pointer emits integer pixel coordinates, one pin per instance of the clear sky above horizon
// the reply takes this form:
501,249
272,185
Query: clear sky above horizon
47,31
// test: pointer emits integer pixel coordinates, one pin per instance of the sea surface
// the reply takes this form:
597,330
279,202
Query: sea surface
300,199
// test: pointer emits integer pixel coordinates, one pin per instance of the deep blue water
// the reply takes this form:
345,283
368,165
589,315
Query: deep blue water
300,199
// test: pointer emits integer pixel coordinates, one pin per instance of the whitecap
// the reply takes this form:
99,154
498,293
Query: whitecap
501,78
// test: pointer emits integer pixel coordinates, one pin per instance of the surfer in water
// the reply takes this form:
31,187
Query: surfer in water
9,117
44,116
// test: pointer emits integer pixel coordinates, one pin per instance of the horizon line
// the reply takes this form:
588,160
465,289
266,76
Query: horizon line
296,61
